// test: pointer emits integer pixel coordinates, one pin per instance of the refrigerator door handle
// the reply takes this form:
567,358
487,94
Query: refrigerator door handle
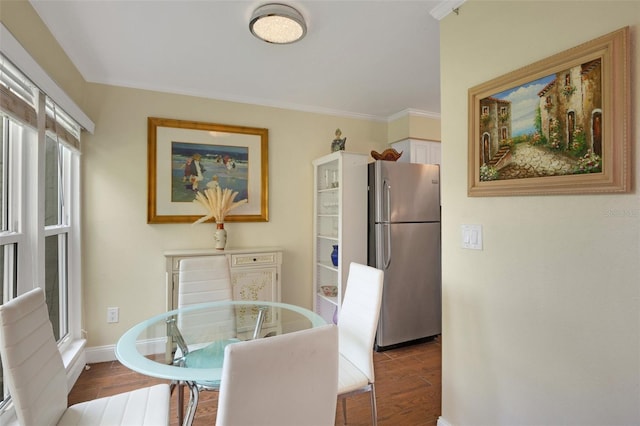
386,210
387,244
383,246
386,200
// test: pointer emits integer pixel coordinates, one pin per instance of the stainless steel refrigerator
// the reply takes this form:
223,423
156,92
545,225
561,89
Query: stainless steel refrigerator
404,241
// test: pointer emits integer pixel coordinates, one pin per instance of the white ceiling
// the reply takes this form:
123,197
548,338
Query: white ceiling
364,58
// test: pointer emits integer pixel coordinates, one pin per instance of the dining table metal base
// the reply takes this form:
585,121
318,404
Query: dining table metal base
194,395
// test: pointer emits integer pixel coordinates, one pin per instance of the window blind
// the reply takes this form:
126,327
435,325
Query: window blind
20,58
61,126
18,96
18,99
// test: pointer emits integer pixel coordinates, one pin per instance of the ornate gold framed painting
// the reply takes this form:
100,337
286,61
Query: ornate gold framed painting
558,126
185,157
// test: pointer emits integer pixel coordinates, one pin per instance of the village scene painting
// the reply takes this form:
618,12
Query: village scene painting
548,127
196,167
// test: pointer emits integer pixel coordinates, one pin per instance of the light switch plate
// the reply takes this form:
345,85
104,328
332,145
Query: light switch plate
471,236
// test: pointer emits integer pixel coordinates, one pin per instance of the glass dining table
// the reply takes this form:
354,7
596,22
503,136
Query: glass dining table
187,345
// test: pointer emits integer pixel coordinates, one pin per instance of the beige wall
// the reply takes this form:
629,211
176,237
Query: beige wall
421,127
415,126
541,326
398,128
123,261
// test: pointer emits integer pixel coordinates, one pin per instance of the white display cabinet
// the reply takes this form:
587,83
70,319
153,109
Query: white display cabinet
340,219
418,151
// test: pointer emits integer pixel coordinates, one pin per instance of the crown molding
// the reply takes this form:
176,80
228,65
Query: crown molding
445,7
413,113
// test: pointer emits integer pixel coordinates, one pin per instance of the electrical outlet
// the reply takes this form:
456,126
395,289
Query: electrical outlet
113,315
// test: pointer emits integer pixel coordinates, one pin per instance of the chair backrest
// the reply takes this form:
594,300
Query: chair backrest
206,279
359,313
290,379
31,360
203,279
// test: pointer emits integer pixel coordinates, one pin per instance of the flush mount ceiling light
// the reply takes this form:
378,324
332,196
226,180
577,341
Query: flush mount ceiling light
277,23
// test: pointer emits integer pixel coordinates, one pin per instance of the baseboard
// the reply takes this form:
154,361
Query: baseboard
107,353
101,354
443,422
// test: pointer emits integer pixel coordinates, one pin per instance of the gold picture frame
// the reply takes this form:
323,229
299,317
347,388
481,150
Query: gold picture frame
558,126
234,157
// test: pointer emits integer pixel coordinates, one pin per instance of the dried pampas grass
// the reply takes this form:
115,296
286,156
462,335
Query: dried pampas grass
218,202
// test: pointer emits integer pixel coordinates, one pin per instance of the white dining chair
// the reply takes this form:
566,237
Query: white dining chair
289,379
37,379
357,325
203,279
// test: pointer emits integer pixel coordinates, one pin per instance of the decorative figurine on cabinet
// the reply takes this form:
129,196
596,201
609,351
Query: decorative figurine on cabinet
338,144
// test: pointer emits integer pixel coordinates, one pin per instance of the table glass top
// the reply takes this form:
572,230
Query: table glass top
153,348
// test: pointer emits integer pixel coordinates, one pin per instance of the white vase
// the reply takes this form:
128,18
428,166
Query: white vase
220,236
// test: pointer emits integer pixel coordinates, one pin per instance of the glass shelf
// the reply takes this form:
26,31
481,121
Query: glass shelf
328,266
333,300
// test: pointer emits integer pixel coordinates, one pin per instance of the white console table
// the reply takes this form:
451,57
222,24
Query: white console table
255,275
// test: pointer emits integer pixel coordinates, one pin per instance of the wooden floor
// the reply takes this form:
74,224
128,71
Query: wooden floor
407,388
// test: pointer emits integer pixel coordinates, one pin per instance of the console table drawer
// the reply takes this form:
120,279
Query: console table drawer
258,259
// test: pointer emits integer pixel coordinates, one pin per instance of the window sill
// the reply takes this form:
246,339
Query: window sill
74,360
